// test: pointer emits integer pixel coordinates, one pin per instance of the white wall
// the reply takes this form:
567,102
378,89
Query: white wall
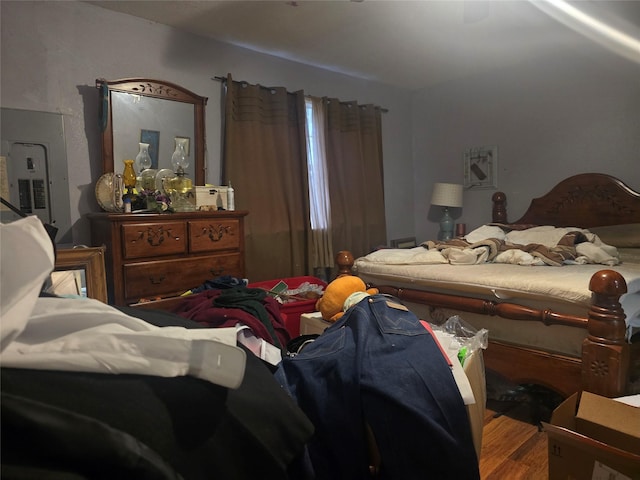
570,111
564,112
52,53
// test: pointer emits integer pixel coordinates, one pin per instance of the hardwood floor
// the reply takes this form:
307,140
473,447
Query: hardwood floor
512,446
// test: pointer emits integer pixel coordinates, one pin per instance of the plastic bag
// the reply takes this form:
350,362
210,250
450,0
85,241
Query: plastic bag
465,337
306,291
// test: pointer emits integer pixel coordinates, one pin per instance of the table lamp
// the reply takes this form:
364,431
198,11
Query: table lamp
447,195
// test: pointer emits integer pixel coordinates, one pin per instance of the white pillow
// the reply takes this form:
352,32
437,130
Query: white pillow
26,262
484,232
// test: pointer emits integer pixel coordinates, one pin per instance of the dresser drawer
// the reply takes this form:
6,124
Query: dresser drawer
144,240
151,255
212,235
173,277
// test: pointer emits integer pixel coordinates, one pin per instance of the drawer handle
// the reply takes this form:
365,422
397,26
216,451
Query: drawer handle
155,238
216,233
157,281
216,271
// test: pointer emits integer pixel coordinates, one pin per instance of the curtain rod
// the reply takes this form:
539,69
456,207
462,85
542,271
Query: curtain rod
224,79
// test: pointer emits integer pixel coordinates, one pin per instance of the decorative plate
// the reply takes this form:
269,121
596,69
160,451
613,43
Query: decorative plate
104,192
163,173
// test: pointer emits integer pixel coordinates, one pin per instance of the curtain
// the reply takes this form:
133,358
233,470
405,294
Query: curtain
264,158
355,176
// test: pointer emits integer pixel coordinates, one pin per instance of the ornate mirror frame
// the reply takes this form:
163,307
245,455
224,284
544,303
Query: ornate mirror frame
156,89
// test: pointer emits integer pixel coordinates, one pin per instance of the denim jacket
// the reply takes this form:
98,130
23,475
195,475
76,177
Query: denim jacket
378,366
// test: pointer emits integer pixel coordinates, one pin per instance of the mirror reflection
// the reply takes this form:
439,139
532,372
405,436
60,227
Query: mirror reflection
159,125
68,283
149,119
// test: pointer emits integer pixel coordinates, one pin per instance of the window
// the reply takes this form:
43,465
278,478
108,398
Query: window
317,165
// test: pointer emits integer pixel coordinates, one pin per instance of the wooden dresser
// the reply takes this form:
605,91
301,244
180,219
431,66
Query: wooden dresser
164,255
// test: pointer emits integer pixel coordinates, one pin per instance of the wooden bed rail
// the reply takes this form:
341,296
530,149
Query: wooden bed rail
512,311
606,286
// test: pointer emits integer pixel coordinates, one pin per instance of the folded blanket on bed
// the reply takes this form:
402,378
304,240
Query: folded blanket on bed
534,246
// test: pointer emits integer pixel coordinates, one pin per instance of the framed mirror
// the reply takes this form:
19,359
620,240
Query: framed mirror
154,112
80,271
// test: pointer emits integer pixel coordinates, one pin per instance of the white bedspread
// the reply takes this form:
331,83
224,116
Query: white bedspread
536,246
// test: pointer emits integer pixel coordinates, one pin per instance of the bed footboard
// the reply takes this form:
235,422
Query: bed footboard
606,355
607,362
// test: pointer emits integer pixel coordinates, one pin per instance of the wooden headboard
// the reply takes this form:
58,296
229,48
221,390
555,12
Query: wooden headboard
585,200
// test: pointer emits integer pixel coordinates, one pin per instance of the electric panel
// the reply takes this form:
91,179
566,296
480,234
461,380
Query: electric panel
33,168
29,179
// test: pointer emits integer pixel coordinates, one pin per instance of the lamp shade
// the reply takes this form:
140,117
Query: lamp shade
447,195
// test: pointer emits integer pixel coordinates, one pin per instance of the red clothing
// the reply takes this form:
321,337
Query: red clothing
200,308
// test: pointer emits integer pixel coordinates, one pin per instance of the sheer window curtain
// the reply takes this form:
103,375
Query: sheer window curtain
265,158
355,175
322,257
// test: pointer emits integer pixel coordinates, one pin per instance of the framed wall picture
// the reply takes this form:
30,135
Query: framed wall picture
481,167
408,242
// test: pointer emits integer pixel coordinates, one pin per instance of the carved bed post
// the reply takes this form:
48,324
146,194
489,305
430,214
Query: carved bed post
344,260
605,353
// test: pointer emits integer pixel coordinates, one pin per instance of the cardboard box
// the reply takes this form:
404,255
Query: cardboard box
312,324
594,437
211,197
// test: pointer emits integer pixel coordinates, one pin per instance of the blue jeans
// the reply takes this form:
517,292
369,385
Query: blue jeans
379,366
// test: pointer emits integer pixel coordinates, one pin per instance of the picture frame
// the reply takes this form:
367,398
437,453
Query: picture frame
481,167
87,264
408,242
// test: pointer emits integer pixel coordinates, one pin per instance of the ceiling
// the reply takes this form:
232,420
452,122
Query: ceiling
409,44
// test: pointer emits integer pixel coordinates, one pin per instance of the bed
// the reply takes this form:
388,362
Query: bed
584,341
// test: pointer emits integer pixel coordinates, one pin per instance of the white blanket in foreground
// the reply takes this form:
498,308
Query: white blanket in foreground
87,335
